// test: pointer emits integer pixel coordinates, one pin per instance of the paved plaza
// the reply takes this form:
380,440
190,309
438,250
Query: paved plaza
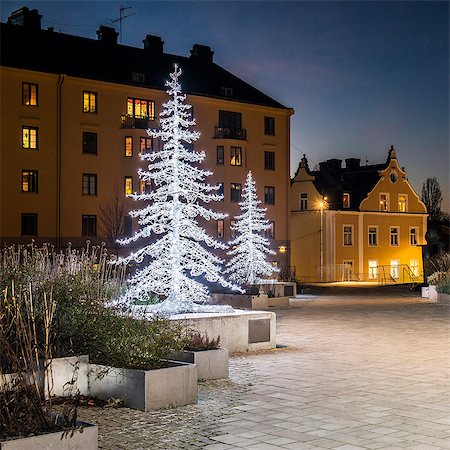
357,369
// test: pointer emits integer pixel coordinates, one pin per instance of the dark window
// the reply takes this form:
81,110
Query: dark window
220,154
303,201
89,184
220,225
220,191
146,145
89,225
269,126
270,232
141,109
226,91
232,120
233,232
138,77
269,195
235,193
128,146
127,226
29,224
29,94
89,102
29,181
269,160
30,137
236,156
89,142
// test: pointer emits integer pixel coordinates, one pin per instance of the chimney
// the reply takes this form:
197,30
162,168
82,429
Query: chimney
352,163
331,166
202,53
153,44
107,34
26,18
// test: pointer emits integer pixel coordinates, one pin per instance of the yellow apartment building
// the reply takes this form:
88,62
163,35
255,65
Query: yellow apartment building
356,223
74,115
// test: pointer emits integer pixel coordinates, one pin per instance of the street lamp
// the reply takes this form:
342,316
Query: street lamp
322,203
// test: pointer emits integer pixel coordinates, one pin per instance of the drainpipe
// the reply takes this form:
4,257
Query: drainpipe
58,159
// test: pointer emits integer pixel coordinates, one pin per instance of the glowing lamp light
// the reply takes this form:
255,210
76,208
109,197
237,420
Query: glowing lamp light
282,249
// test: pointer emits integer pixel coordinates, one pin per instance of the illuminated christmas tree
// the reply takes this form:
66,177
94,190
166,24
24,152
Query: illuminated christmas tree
248,257
180,254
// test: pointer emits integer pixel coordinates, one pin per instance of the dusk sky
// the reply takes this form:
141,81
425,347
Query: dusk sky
361,76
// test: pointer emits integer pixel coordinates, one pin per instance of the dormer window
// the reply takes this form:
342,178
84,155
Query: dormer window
226,91
138,77
346,200
384,202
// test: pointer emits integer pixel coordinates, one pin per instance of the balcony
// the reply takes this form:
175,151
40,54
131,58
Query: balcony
231,133
135,122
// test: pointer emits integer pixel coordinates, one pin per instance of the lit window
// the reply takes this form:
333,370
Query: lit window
414,266
235,193
303,201
29,94
30,138
269,126
394,270
269,195
128,146
373,270
89,225
373,236
146,145
348,235
236,156
128,185
29,224
220,191
89,102
89,142
345,200
141,109
394,232
29,181
145,186
402,202
269,160
220,154
413,236
270,232
384,202
220,226
89,184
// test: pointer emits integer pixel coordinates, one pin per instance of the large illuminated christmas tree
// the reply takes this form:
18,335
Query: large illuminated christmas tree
248,257
180,255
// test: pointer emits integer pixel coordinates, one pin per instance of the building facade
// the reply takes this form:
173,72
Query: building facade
74,115
358,223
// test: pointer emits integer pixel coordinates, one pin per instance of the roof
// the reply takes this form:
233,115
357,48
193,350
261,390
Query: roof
52,52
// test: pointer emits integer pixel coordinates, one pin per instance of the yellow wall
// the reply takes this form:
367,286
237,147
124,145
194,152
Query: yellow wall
109,164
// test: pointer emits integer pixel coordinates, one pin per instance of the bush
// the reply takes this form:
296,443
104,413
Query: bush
196,341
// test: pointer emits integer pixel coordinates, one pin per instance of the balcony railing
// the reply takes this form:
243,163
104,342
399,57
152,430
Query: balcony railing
231,133
135,122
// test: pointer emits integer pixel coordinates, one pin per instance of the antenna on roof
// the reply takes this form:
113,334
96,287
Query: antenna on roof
122,9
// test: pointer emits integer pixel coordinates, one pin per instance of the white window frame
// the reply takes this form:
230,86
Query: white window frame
394,269
411,235
382,202
406,202
352,227
376,235
373,274
346,203
398,236
414,266
303,201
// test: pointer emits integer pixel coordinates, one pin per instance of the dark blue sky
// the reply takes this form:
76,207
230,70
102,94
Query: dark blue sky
360,75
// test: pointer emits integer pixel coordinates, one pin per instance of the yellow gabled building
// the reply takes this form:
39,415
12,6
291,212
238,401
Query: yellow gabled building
356,223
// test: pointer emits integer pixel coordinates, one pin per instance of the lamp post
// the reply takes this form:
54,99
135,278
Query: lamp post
321,204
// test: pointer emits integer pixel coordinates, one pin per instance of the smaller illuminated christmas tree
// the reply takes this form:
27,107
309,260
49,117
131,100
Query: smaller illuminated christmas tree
248,257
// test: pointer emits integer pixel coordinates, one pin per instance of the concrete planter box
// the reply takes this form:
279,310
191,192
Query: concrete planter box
87,440
432,293
146,390
211,364
62,371
241,331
